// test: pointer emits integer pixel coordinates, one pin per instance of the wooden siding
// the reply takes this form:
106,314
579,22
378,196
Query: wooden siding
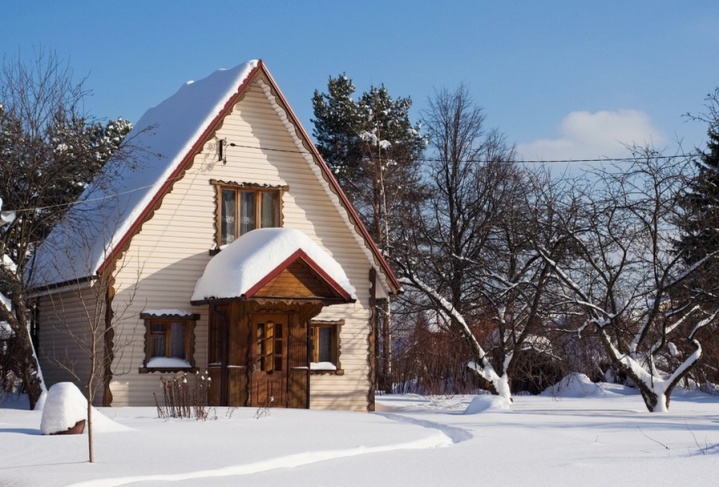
64,337
167,256
298,281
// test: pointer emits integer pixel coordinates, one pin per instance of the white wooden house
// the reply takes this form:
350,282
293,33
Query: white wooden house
229,248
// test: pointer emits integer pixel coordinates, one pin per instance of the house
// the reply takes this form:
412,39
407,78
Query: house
219,242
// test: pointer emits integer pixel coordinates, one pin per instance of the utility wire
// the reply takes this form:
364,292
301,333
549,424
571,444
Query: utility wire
304,152
523,161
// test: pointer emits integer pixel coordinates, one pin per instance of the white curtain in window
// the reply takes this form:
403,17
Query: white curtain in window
227,222
177,340
247,211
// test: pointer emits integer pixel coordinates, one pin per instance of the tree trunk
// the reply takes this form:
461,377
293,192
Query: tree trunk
387,343
30,372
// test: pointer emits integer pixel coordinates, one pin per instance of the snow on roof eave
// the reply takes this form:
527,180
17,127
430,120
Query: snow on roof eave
243,297
389,283
78,284
178,164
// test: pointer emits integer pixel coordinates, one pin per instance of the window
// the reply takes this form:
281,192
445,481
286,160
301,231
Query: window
169,341
269,346
245,208
325,345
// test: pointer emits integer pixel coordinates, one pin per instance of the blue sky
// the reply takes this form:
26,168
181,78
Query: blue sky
562,79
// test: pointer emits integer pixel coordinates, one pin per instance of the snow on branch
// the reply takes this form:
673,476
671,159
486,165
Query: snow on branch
6,217
6,303
485,367
583,300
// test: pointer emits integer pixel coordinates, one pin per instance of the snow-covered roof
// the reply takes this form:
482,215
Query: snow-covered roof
243,264
162,142
164,137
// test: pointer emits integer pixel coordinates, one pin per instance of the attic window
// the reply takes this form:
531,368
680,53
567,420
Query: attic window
242,208
169,341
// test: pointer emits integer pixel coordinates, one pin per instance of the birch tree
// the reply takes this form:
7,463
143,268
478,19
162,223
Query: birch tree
85,314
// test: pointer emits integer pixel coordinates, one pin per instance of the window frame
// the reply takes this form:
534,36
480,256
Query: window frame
335,345
150,320
258,190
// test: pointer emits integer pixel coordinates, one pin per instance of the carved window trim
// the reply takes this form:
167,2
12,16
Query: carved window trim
330,333
153,328
239,188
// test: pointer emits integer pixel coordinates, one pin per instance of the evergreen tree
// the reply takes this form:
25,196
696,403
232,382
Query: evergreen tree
700,232
701,228
373,149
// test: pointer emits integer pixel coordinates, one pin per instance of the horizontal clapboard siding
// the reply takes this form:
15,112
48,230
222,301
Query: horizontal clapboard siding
65,338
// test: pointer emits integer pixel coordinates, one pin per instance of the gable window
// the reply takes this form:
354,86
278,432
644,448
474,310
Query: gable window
326,345
169,341
242,208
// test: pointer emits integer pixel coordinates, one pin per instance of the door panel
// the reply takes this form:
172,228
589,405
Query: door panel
227,351
269,361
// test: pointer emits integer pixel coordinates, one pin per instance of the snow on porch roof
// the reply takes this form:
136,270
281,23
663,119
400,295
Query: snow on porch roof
243,264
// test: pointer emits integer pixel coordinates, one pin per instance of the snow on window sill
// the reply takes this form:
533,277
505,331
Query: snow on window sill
322,366
167,364
325,368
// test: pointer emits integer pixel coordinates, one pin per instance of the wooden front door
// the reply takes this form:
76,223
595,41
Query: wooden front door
268,382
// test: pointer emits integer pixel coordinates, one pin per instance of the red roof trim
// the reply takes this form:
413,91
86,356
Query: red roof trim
335,185
117,249
299,254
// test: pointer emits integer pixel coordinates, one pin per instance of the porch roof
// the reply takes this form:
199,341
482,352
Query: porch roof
246,265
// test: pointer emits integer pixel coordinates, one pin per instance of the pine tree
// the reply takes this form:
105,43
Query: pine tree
372,148
701,227
700,232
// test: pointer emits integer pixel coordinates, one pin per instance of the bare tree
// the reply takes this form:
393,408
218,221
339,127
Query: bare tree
466,253
626,278
80,311
49,151
84,318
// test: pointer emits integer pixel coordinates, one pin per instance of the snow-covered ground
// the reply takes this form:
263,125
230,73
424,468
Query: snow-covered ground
584,434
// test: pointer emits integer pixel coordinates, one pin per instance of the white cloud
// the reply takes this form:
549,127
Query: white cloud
585,135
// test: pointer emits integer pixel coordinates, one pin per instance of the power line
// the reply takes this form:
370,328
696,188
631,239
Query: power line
87,200
421,159
523,161
607,159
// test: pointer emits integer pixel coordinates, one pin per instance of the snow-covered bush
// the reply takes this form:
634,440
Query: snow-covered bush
65,406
